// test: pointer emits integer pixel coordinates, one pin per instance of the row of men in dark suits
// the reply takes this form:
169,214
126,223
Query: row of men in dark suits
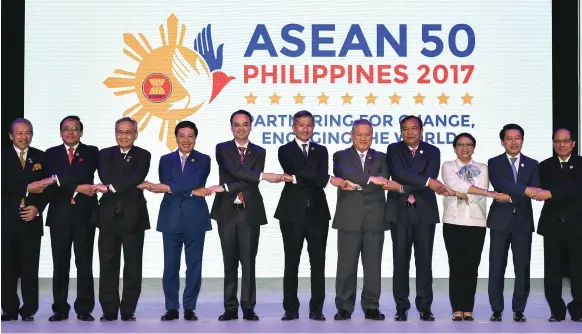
63,176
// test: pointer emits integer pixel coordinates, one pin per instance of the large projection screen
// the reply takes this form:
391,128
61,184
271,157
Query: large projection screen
461,66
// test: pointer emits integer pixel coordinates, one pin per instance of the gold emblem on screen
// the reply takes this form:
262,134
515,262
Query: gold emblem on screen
161,80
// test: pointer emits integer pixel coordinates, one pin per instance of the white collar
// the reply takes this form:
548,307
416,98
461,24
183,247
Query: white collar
567,159
18,150
126,152
301,142
74,147
518,156
246,145
460,163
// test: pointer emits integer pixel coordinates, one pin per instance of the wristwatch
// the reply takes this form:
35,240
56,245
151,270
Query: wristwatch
401,189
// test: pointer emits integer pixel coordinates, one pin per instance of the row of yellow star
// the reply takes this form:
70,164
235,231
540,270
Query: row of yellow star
370,99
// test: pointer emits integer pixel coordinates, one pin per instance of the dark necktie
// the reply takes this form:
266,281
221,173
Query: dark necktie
304,150
565,165
242,159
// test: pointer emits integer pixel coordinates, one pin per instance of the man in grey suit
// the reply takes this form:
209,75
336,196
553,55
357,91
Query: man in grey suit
359,219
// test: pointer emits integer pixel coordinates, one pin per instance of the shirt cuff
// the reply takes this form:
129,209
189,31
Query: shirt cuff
226,187
369,180
427,182
26,194
75,194
510,200
261,177
57,178
294,179
110,187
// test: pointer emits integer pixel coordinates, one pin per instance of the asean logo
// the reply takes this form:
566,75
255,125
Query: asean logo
171,82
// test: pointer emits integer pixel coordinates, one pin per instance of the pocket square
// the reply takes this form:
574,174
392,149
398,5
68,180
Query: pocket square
36,166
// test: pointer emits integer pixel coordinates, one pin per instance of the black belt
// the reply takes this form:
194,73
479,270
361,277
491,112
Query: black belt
237,206
410,205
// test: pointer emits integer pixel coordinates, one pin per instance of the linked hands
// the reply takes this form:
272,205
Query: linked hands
538,194
439,188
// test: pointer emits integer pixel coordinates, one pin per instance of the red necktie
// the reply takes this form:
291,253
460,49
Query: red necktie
71,155
411,197
242,159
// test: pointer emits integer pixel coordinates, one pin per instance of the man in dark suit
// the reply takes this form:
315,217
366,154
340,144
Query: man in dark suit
510,220
413,214
71,167
22,227
304,214
239,210
123,219
183,219
561,225
359,219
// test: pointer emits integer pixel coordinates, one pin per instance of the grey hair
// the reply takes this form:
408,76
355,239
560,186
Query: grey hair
361,122
127,119
20,120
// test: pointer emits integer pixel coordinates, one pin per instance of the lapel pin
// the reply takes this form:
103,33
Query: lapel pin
421,152
29,160
571,167
192,160
77,154
369,157
521,165
312,148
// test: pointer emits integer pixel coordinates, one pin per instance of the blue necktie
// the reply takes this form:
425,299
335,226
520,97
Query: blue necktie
304,150
513,160
183,162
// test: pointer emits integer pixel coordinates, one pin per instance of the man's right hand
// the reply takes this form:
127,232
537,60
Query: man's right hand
85,189
273,178
202,192
531,191
379,180
216,189
36,187
338,182
436,186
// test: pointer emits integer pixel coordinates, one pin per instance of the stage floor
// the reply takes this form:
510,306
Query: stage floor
269,309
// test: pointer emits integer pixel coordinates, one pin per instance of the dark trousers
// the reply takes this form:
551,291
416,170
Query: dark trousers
404,236
294,233
239,240
110,242
194,247
20,259
81,237
350,244
464,246
562,252
520,243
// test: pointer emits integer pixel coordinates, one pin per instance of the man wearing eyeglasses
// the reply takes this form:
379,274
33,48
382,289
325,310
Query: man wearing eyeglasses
560,225
123,219
70,168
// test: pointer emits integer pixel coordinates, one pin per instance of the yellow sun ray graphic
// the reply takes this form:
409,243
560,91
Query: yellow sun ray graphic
158,80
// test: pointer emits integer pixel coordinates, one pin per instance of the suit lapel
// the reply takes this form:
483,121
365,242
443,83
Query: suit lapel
117,159
406,153
249,158
176,165
369,160
77,155
521,171
354,156
30,160
189,163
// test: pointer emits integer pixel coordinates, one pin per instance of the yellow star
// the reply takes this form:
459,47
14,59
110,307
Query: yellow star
347,98
395,99
299,98
251,98
322,98
443,99
419,99
467,99
274,98
371,99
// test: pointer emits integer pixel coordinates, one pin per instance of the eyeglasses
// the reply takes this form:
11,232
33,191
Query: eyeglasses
70,129
124,133
563,141
467,145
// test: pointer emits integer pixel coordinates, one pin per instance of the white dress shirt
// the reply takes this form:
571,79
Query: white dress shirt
517,162
23,157
469,212
246,147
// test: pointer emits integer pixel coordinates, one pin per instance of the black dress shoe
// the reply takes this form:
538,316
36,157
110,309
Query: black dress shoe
457,317
555,318
373,314
496,317
128,317
426,315
576,317
228,315
59,316
401,315
250,315
519,317
290,316
171,315
317,316
468,316
85,317
27,317
8,317
108,317
342,315
190,315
